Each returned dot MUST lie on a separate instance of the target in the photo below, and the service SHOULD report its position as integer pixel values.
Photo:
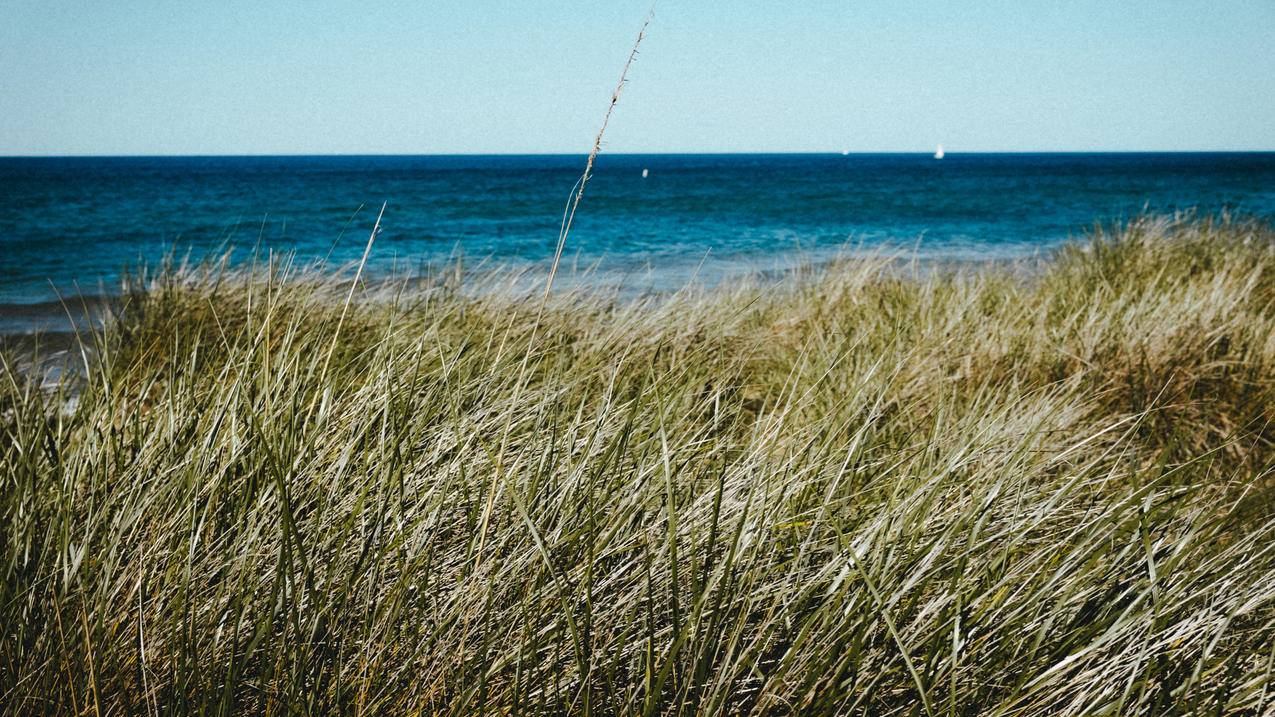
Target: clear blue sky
(264, 76)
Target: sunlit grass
(857, 491)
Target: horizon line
(948, 152)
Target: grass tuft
(854, 491)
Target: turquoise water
(70, 225)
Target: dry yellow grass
(851, 492)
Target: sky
(159, 77)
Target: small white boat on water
(938, 153)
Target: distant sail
(938, 153)
(646, 173)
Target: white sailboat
(938, 153)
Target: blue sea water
(69, 225)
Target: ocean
(69, 226)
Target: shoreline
(21, 321)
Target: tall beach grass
(854, 491)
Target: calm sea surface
(76, 222)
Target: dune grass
(856, 491)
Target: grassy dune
(859, 491)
